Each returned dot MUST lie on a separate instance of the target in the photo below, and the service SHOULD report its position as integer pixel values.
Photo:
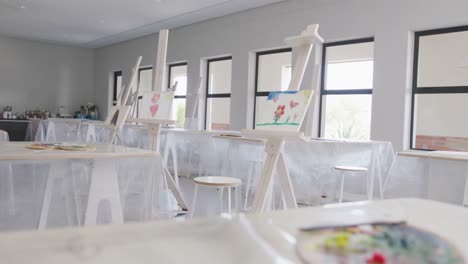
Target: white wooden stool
(220, 183)
(343, 170)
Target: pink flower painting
(279, 112)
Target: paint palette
(61, 146)
(396, 243)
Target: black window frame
(433, 89)
(218, 95)
(325, 92)
(257, 64)
(169, 73)
(138, 83)
(117, 74)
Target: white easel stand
(274, 148)
(154, 130)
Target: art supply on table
(375, 243)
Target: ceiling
(98, 23)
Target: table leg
(104, 186)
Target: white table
(266, 238)
(103, 175)
(438, 175)
(310, 165)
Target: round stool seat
(351, 168)
(217, 181)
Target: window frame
(325, 92)
(145, 68)
(169, 72)
(415, 89)
(216, 95)
(257, 64)
(116, 75)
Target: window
(178, 74)
(145, 84)
(346, 89)
(273, 73)
(440, 90)
(218, 94)
(117, 86)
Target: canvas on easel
(157, 105)
(283, 111)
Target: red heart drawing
(293, 104)
(154, 109)
(155, 98)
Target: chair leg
(341, 188)
(194, 201)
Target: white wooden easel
(154, 126)
(275, 140)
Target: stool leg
(229, 200)
(237, 191)
(195, 193)
(220, 196)
(341, 188)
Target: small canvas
(157, 105)
(283, 111)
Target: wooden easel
(154, 125)
(275, 140)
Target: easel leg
(286, 184)
(266, 183)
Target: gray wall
(41, 76)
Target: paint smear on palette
(156, 105)
(283, 111)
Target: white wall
(34, 76)
(390, 22)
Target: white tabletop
(266, 238)
(443, 155)
(18, 151)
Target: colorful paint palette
(396, 243)
(61, 146)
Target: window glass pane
(274, 72)
(179, 75)
(439, 123)
(219, 113)
(178, 111)
(117, 85)
(443, 60)
(220, 77)
(349, 66)
(347, 116)
(146, 79)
